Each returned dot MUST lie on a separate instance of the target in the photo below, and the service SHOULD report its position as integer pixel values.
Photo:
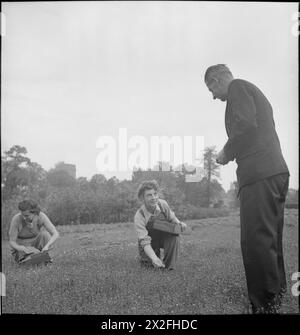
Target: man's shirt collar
(148, 214)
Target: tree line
(69, 200)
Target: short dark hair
(147, 185)
(30, 205)
(216, 70)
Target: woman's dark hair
(147, 185)
(30, 205)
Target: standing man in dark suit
(263, 179)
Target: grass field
(96, 271)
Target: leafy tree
(211, 169)
(60, 178)
(20, 176)
(97, 182)
(62, 206)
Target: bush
(190, 212)
(290, 205)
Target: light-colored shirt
(22, 232)
(141, 221)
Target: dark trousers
(262, 218)
(168, 242)
(38, 242)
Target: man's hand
(157, 262)
(45, 248)
(221, 158)
(183, 226)
(24, 249)
(32, 250)
(28, 249)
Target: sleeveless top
(29, 230)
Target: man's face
(150, 198)
(217, 88)
(27, 216)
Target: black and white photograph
(149, 160)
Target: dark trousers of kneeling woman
(162, 240)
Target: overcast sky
(75, 71)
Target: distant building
(193, 178)
(69, 168)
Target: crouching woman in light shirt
(150, 241)
(30, 230)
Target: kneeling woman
(30, 228)
(150, 240)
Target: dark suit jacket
(252, 138)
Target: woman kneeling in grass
(30, 231)
(151, 240)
